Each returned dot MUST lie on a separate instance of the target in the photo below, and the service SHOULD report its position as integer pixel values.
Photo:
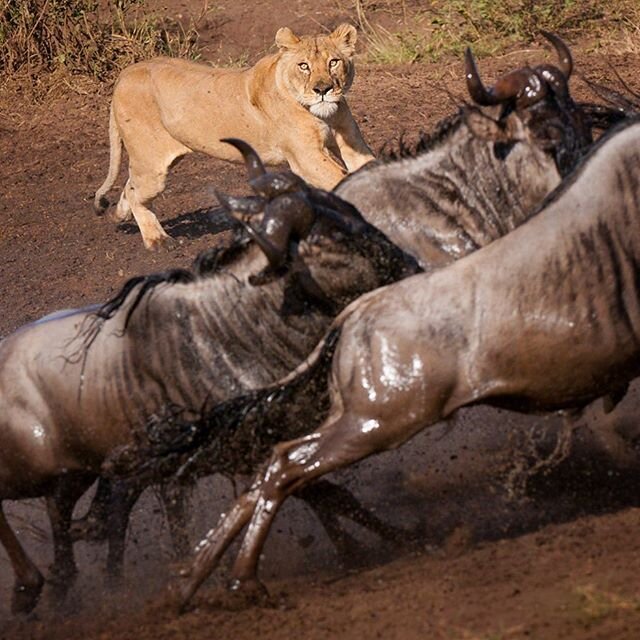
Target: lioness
(290, 106)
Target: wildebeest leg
(123, 496)
(342, 440)
(93, 525)
(326, 512)
(210, 550)
(60, 504)
(175, 498)
(28, 579)
(339, 442)
(329, 501)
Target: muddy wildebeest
(77, 384)
(477, 177)
(545, 319)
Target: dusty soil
(576, 577)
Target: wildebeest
(482, 171)
(77, 384)
(545, 319)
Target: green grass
(442, 28)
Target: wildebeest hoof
(178, 593)
(25, 597)
(251, 592)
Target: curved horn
(555, 78)
(254, 165)
(475, 87)
(272, 185)
(275, 257)
(523, 84)
(565, 62)
(250, 205)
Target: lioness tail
(100, 203)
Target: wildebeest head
(319, 242)
(531, 102)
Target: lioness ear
(345, 36)
(286, 39)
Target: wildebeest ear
(485, 127)
(345, 36)
(286, 39)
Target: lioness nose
(322, 88)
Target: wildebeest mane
(426, 141)
(207, 263)
(230, 437)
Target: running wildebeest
(77, 384)
(544, 319)
(475, 179)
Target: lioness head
(317, 70)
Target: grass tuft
(85, 37)
(596, 604)
(444, 28)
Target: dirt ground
(570, 573)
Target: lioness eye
(304, 66)
(333, 63)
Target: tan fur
(166, 107)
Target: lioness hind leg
(123, 210)
(153, 235)
(151, 153)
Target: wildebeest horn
(254, 165)
(554, 77)
(565, 62)
(250, 205)
(522, 83)
(274, 256)
(476, 89)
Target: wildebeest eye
(304, 66)
(333, 63)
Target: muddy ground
(562, 562)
